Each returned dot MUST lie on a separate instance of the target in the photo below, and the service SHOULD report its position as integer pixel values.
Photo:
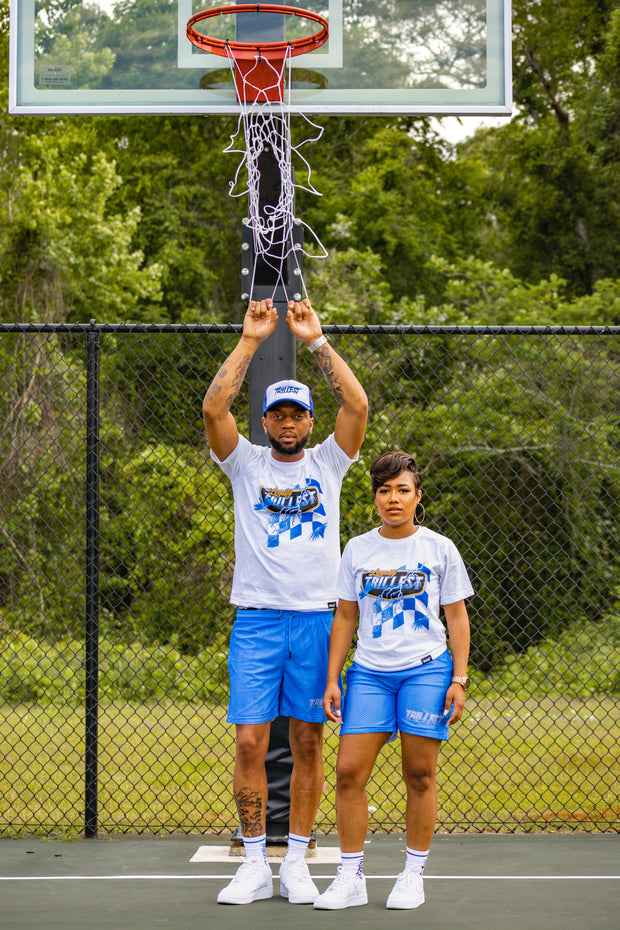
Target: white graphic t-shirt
(399, 585)
(287, 516)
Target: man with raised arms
(287, 552)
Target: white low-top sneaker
(296, 883)
(408, 891)
(347, 890)
(253, 882)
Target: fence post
(91, 719)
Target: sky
(455, 129)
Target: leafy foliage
(64, 253)
(581, 662)
(33, 670)
(553, 180)
(167, 546)
(129, 218)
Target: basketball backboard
(382, 56)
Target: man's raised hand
(303, 321)
(260, 320)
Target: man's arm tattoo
(250, 808)
(324, 361)
(216, 387)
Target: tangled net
(265, 126)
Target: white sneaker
(408, 892)
(347, 890)
(296, 883)
(253, 882)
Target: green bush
(581, 661)
(53, 673)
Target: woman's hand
(332, 701)
(455, 699)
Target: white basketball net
(267, 123)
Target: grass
(160, 767)
(530, 765)
(517, 765)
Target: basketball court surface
(540, 882)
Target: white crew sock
(416, 860)
(353, 863)
(255, 847)
(297, 847)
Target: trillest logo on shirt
(289, 509)
(393, 584)
(396, 591)
(290, 500)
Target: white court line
(176, 878)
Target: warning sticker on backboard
(54, 75)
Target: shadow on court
(533, 882)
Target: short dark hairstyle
(391, 465)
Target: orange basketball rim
(261, 59)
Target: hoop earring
(420, 504)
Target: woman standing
(403, 678)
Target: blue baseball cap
(291, 391)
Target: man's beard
(287, 450)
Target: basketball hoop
(261, 58)
(258, 74)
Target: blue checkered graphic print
(291, 509)
(395, 593)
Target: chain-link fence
(116, 555)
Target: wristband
(317, 343)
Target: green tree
(516, 437)
(552, 175)
(174, 170)
(65, 255)
(389, 187)
(142, 35)
(166, 544)
(41, 485)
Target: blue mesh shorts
(412, 700)
(277, 664)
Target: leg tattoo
(250, 808)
